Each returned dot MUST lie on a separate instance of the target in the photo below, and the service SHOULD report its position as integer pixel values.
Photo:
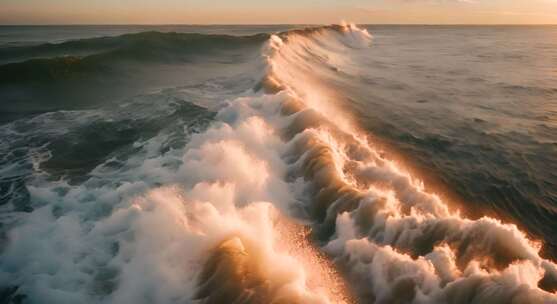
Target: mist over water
(273, 165)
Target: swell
(98, 56)
(149, 46)
(85, 73)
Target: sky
(278, 11)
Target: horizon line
(275, 24)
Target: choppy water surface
(250, 164)
(475, 105)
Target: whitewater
(264, 193)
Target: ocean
(278, 164)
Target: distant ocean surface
(278, 164)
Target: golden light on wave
(369, 205)
(319, 98)
(322, 276)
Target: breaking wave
(281, 199)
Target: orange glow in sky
(282, 12)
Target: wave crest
(396, 241)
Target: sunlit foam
(410, 216)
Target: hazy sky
(276, 11)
